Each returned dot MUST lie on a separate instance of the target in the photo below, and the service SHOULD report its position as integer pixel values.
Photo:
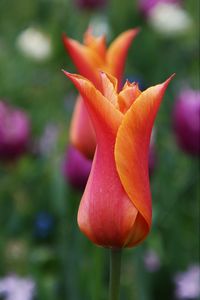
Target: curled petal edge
(131, 153)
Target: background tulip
(76, 168)
(90, 4)
(14, 131)
(186, 121)
(89, 58)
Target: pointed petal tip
(63, 36)
(69, 43)
(66, 73)
(73, 77)
(132, 32)
(78, 80)
(136, 30)
(165, 84)
(170, 78)
(65, 39)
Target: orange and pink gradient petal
(115, 210)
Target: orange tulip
(115, 210)
(89, 58)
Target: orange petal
(109, 87)
(85, 59)
(82, 134)
(131, 155)
(116, 54)
(104, 116)
(127, 96)
(97, 44)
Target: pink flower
(14, 132)
(76, 168)
(186, 121)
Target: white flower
(169, 19)
(188, 283)
(16, 288)
(34, 44)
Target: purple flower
(17, 288)
(146, 6)
(14, 132)
(151, 261)
(188, 283)
(186, 121)
(49, 139)
(90, 4)
(76, 168)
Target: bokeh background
(43, 255)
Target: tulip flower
(89, 58)
(115, 210)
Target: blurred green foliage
(66, 265)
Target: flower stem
(115, 269)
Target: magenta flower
(146, 6)
(76, 168)
(90, 4)
(186, 121)
(14, 132)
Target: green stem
(115, 269)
